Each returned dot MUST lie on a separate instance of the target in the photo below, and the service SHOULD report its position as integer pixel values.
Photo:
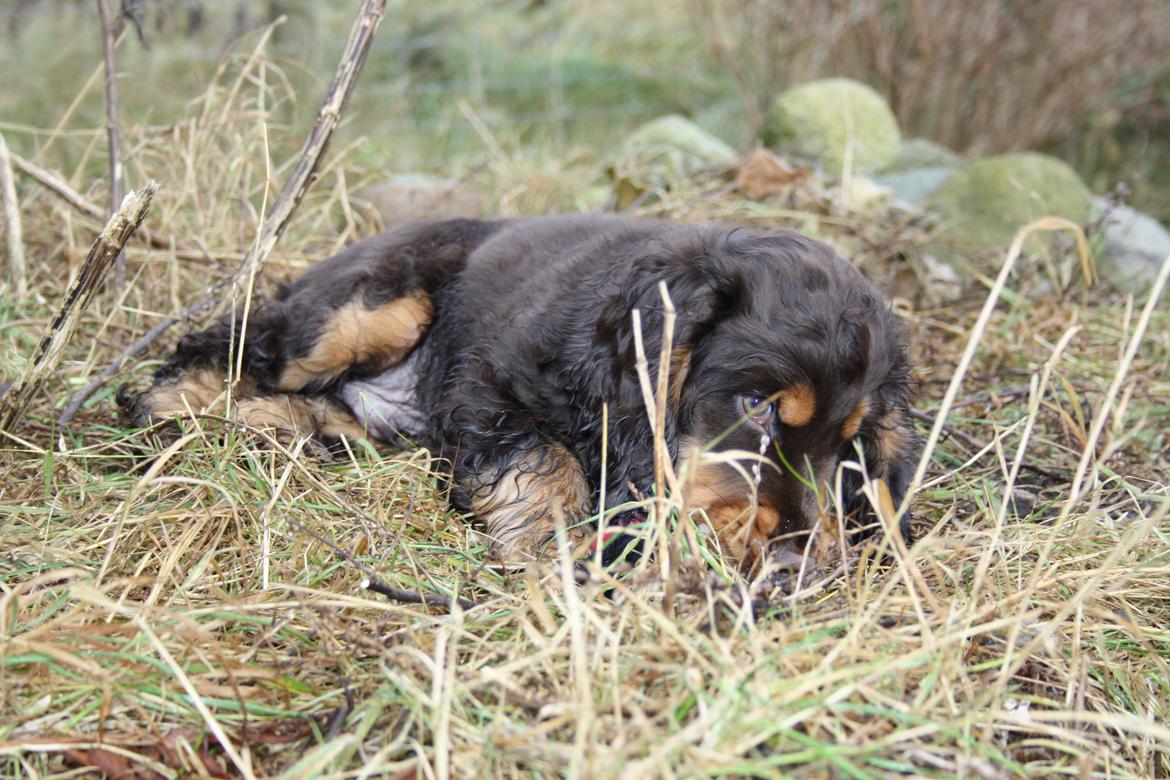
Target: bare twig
(370, 582)
(59, 187)
(111, 369)
(304, 172)
(113, 140)
(111, 106)
(12, 228)
(93, 271)
(975, 444)
(412, 597)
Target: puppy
(497, 344)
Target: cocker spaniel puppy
(497, 343)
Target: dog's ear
(890, 448)
(703, 292)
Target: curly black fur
(531, 334)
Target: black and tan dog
(496, 343)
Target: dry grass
(974, 76)
(200, 611)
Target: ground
(204, 610)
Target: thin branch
(111, 369)
(97, 265)
(370, 582)
(112, 136)
(977, 445)
(111, 106)
(59, 187)
(16, 265)
(304, 173)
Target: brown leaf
(113, 765)
(762, 174)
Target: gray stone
(922, 153)
(663, 151)
(916, 185)
(1135, 247)
(406, 197)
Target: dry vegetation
(972, 76)
(202, 611)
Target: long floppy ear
(704, 291)
(890, 446)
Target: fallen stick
(112, 136)
(59, 187)
(102, 253)
(370, 582)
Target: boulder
(826, 118)
(663, 151)
(915, 186)
(914, 153)
(984, 204)
(1134, 249)
(406, 197)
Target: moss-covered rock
(984, 204)
(663, 151)
(828, 117)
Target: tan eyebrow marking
(797, 405)
(852, 423)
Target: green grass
(151, 603)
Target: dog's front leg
(522, 500)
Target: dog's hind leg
(354, 315)
(520, 505)
(361, 336)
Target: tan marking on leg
(680, 366)
(520, 508)
(334, 423)
(355, 335)
(192, 391)
(297, 415)
(797, 405)
(282, 414)
(852, 423)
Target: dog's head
(782, 348)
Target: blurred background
(450, 84)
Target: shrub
(977, 76)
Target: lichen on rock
(984, 204)
(663, 151)
(829, 118)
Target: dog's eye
(758, 409)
